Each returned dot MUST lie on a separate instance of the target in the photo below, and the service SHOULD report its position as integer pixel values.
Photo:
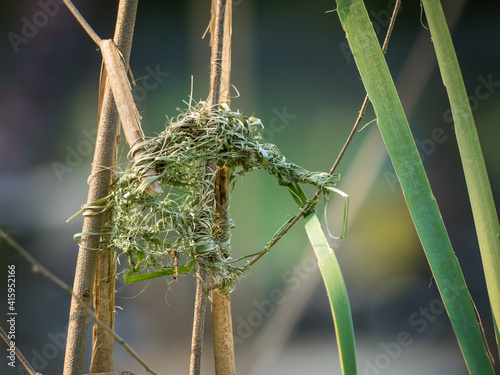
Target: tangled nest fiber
(160, 231)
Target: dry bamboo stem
(202, 277)
(104, 289)
(200, 307)
(98, 189)
(222, 327)
(217, 42)
(104, 305)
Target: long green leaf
(476, 177)
(337, 294)
(334, 283)
(411, 174)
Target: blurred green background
(292, 68)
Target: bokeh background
(292, 68)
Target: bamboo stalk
(104, 306)
(87, 255)
(99, 188)
(200, 307)
(222, 328)
(217, 42)
(104, 288)
(210, 169)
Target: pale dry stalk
(101, 176)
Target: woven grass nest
(167, 234)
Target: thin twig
(19, 355)
(83, 22)
(304, 209)
(37, 267)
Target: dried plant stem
(217, 41)
(83, 22)
(104, 289)
(304, 209)
(39, 268)
(87, 255)
(202, 276)
(102, 168)
(200, 307)
(104, 306)
(222, 326)
(19, 355)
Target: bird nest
(166, 234)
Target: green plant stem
(476, 177)
(416, 189)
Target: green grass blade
(337, 294)
(334, 283)
(411, 174)
(476, 177)
(129, 277)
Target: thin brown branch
(37, 267)
(83, 22)
(306, 207)
(18, 353)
